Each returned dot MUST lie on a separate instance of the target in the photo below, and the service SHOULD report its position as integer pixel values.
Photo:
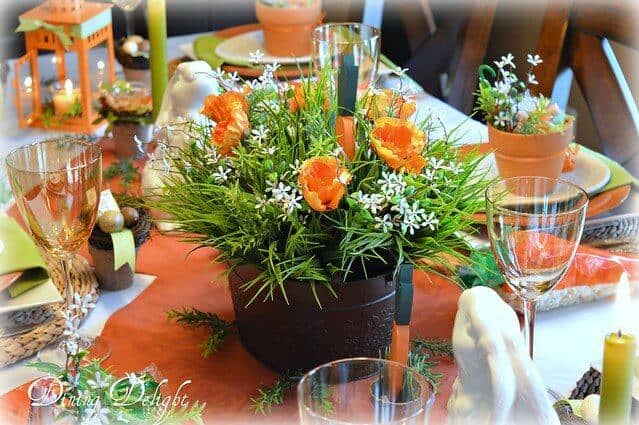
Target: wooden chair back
(575, 42)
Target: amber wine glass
(534, 226)
(56, 184)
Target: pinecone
(590, 383)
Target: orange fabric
(140, 335)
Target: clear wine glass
(359, 391)
(534, 226)
(56, 185)
(128, 6)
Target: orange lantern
(65, 27)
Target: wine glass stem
(530, 308)
(65, 263)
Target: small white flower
(270, 150)
(99, 381)
(337, 151)
(260, 133)
(234, 78)
(218, 74)
(385, 223)
(534, 60)
(391, 184)
(262, 203)
(272, 67)
(501, 119)
(70, 345)
(212, 156)
(72, 380)
(221, 175)
(430, 221)
(436, 164)
(134, 379)
(96, 414)
(372, 202)
(82, 304)
(256, 56)
(508, 60)
(532, 79)
(399, 71)
(455, 167)
(503, 87)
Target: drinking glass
(534, 226)
(338, 46)
(128, 6)
(56, 185)
(358, 391)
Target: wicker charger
(17, 347)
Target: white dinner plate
(237, 50)
(590, 173)
(43, 294)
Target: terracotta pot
(520, 155)
(287, 30)
(123, 134)
(300, 335)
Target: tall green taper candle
(616, 385)
(157, 37)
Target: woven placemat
(26, 344)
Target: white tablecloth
(568, 341)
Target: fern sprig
(194, 318)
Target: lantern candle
(65, 99)
(617, 373)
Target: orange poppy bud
(399, 144)
(388, 103)
(323, 182)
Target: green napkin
(619, 176)
(18, 253)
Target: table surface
(568, 340)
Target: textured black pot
(300, 335)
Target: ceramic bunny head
(498, 384)
(185, 93)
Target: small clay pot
(101, 250)
(123, 134)
(287, 30)
(519, 155)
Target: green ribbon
(27, 25)
(123, 249)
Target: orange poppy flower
(388, 103)
(323, 182)
(399, 144)
(300, 93)
(229, 111)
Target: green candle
(616, 386)
(157, 37)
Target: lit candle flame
(68, 87)
(28, 83)
(622, 302)
(101, 66)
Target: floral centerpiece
(529, 133)
(314, 237)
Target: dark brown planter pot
(287, 31)
(520, 155)
(299, 336)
